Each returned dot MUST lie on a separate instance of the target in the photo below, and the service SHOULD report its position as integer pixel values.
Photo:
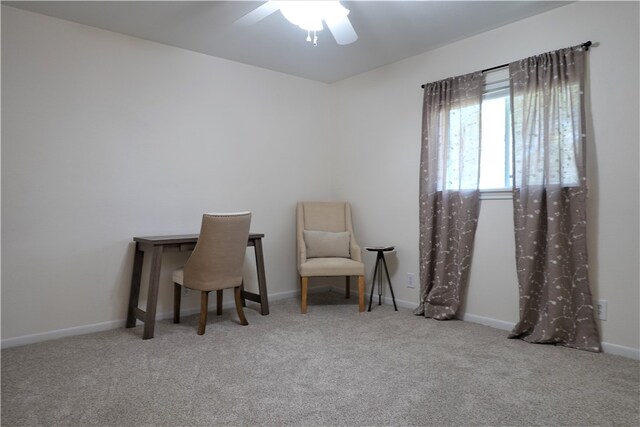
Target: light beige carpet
(330, 367)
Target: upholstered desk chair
(215, 263)
(327, 246)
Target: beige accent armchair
(215, 264)
(332, 217)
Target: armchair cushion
(323, 244)
(331, 267)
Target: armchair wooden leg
(177, 295)
(219, 302)
(238, 297)
(204, 305)
(304, 284)
(360, 294)
(348, 288)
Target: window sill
(496, 195)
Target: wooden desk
(156, 245)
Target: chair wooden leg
(204, 306)
(304, 284)
(219, 302)
(177, 295)
(348, 288)
(238, 297)
(360, 294)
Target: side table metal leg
(373, 284)
(380, 256)
(393, 298)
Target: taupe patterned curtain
(547, 106)
(449, 175)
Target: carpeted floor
(330, 367)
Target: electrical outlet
(601, 309)
(411, 280)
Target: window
(549, 139)
(494, 135)
(495, 156)
(461, 155)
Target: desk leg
(243, 300)
(152, 296)
(134, 294)
(262, 281)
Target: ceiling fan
(308, 15)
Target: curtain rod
(585, 45)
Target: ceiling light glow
(309, 15)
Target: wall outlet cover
(411, 280)
(601, 309)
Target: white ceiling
(388, 31)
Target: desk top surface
(180, 238)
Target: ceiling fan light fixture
(309, 15)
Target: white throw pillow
(324, 244)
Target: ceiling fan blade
(258, 13)
(342, 30)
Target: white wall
(376, 137)
(106, 137)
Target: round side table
(380, 261)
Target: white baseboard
(615, 349)
(620, 350)
(487, 321)
(385, 299)
(61, 333)
(115, 324)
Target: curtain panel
(549, 166)
(449, 195)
